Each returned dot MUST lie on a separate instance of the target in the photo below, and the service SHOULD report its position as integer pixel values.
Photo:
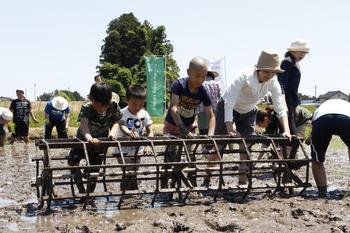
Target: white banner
(220, 67)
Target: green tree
(70, 96)
(126, 43)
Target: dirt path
(261, 213)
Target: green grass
(158, 120)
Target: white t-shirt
(137, 122)
(334, 106)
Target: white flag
(219, 66)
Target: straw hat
(299, 46)
(6, 115)
(269, 61)
(59, 103)
(212, 73)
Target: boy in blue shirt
(186, 95)
(57, 115)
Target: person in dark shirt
(99, 117)
(290, 79)
(21, 108)
(186, 95)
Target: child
(186, 95)
(238, 105)
(98, 118)
(5, 118)
(57, 115)
(268, 120)
(135, 119)
(21, 109)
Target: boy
(5, 118)
(186, 95)
(57, 115)
(330, 118)
(238, 105)
(21, 109)
(98, 118)
(134, 120)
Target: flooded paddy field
(259, 213)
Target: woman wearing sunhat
(290, 79)
(5, 118)
(238, 105)
(57, 115)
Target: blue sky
(56, 44)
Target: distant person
(5, 118)
(97, 78)
(98, 118)
(21, 109)
(290, 79)
(186, 95)
(115, 96)
(136, 122)
(57, 115)
(330, 118)
(267, 119)
(213, 89)
(236, 111)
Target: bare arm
(176, 116)
(174, 109)
(284, 122)
(149, 131)
(67, 117)
(211, 120)
(33, 117)
(113, 132)
(85, 131)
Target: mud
(260, 213)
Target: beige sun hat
(59, 103)
(269, 60)
(6, 114)
(299, 45)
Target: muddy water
(261, 213)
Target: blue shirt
(188, 102)
(55, 114)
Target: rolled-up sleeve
(277, 99)
(231, 95)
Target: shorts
(95, 157)
(21, 129)
(245, 123)
(175, 131)
(322, 131)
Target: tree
(70, 96)
(122, 54)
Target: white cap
(6, 114)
